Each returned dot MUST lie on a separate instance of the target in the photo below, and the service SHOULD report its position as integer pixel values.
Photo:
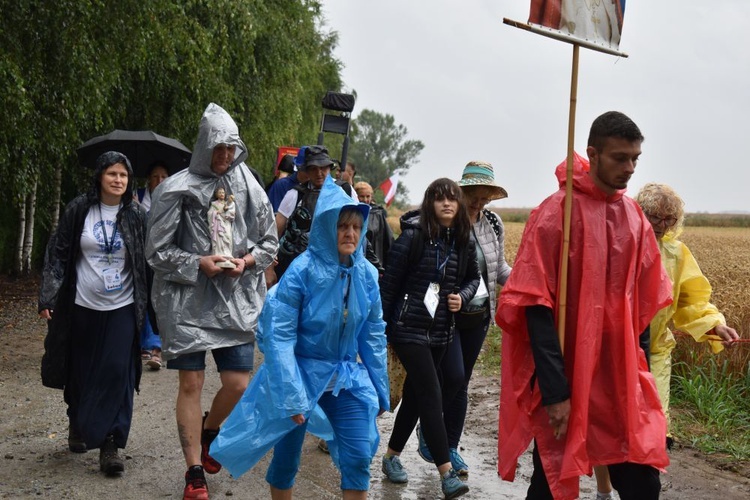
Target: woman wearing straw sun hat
(473, 320)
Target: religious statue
(220, 217)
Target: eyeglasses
(668, 221)
(482, 200)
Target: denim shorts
(237, 358)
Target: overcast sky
(472, 88)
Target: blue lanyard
(109, 245)
(438, 265)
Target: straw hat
(480, 173)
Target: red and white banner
(388, 187)
(594, 21)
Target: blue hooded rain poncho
(311, 343)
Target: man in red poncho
(597, 405)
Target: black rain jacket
(59, 279)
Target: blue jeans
(149, 340)
(351, 425)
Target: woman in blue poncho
(325, 371)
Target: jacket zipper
(404, 308)
(442, 277)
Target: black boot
(75, 442)
(109, 460)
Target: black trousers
(457, 367)
(422, 400)
(632, 481)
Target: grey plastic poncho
(194, 312)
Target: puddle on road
(479, 453)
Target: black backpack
(417, 248)
(493, 220)
(296, 236)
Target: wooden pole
(562, 301)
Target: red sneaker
(207, 437)
(195, 484)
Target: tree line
(75, 69)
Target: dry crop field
(723, 254)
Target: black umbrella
(142, 147)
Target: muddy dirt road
(35, 461)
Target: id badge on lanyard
(432, 295)
(482, 290)
(432, 298)
(112, 277)
(112, 280)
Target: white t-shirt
(289, 203)
(146, 201)
(104, 279)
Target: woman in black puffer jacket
(432, 270)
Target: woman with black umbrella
(94, 293)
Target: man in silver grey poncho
(199, 305)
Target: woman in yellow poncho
(691, 311)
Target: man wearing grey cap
(296, 210)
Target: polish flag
(388, 187)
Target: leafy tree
(74, 69)
(60, 76)
(379, 147)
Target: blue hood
(324, 231)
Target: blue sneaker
(453, 487)
(422, 449)
(393, 470)
(458, 463)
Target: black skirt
(101, 374)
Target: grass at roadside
(711, 407)
(489, 358)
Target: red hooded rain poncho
(616, 284)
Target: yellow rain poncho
(691, 312)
